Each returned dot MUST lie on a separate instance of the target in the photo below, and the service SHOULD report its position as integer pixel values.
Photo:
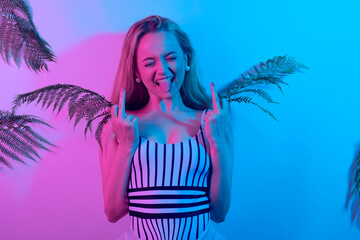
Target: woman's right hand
(124, 127)
(121, 136)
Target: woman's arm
(121, 137)
(219, 133)
(115, 168)
(222, 159)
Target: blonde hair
(192, 92)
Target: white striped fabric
(168, 188)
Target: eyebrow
(151, 58)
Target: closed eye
(171, 56)
(149, 64)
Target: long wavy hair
(192, 92)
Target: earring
(187, 68)
(138, 80)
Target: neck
(166, 105)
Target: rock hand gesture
(121, 136)
(124, 126)
(219, 133)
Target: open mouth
(163, 80)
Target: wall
(290, 177)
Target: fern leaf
(99, 129)
(90, 121)
(90, 113)
(63, 100)
(72, 103)
(3, 161)
(264, 110)
(271, 72)
(98, 105)
(8, 153)
(62, 92)
(82, 103)
(241, 99)
(353, 193)
(88, 107)
(357, 173)
(19, 37)
(263, 94)
(77, 104)
(49, 98)
(18, 139)
(57, 100)
(41, 95)
(30, 138)
(16, 144)
(249, 100)
(37, 136)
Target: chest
(168, 165)
(172, 152)
(169, 129)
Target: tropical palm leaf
(82, 104)
(17, 138)
(251, 82)
(353, 193)
(19, 37)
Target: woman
(168, 154)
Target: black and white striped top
(168, 188)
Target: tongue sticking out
(165, 86)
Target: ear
(137, 74)
(186, 59)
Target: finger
(122, 103)
(130, 117)
(114, 111)
(215, 100)
(220, 101)
(135, 120)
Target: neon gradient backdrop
(290, 177)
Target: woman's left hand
(219, 133)
(218, 130)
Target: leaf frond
(18, 139)
(19, 38)
(270, 72)
(353, 192)
(88, 126)
(99, 129)
(83, 104)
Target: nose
(163, 67)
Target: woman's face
(161, 63)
